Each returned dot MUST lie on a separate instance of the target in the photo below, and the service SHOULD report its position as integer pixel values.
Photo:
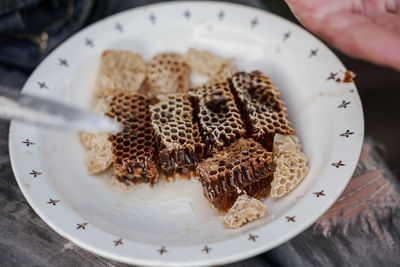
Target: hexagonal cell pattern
(291, 165)
(259, 100)
(167, 73)
(243, 166)
(177, 134)
(219, 118)
(133, 147)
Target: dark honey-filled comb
(243, 166)
(264, 112)
(178, 137)
(133, 147)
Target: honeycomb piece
(120, 182)
(98, 155)
(291, 165)
(99, 160)
(205, 62)
(227, 70)
(243, 166)
(122, 70)
(94, 141)
(245, 209)
(100, 106)
(118, 70)
(214, 67)
(177, 135)
(261, 106)
(133, 147)
(167, 73)
(219, 118)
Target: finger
(389, 21)
(358, 36)
(393, 6)
(320, 5)
(372, 7)
(353, 33)
(310, 12)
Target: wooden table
(362, 228)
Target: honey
(245, 166)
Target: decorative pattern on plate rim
(313, 53)
(319, 194)
(332, 76)
(42, 85)
(35, 173)
(118, 242)
(81, 226)
(152, 18)
(206, 249)
(286, 36)
(89, 42)
(338, 164)
(27, 142)
(290, 218)
(221, 15)
(254, 22)
(347, 134)
(344, 104)
(63, 62)
(187, 14)
(53, 202)
(252, 237)
(162, 250)
(118, 27)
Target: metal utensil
(49, 113)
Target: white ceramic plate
(172, 223)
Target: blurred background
(30, 29)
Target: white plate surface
(172, 223)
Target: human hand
(367, 29)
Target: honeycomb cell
(119, 70)
(219, 117)
(167, 73)
(259, 101)
(291, 165)
(178, 139)
(229, 172)
(133, 147)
